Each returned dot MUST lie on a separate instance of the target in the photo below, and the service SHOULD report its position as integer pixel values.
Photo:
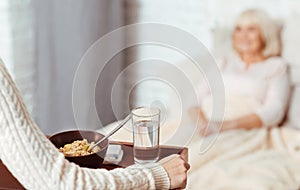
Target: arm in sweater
(37, 164)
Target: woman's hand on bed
(250, 121)
(209, 128)
(206, 131)
(197, 115)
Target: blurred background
(42, 43)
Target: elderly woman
(257, 89)
(256, 78)
(37, 164)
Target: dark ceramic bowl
(90, 161)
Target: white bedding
(257, 159)
(246, 159)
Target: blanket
(259, 159)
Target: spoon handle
(112, 132)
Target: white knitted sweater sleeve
(37, 164)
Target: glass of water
(145, 122)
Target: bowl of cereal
(75, 146)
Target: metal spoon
(91, 147)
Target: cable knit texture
(37, 164)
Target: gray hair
(270, 30)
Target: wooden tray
(8, 181)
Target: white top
(262, 88)
(37, 164)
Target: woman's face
(247, 39)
